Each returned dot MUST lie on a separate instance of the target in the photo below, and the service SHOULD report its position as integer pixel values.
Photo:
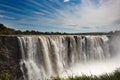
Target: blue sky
(61, 15)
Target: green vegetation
(8, 31)
(115, 76)
(6, 75)
(4, 30)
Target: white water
(46, 56)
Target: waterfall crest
(46, 56)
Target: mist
(97, 68)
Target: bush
(114, 76)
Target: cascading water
(46, 56)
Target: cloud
(1, 16)
(10, 7)
(66, 0)
(89, 14)
(6, 17)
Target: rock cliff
(10, 58)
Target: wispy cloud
(6, 17)
(89, 14)
(1, 16)
(86, 16)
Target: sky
(61, 15)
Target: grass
(115, 76)
(4, 76)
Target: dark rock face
(10, 57)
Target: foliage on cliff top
(8, 31)
(4, 30)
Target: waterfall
(46, 56)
